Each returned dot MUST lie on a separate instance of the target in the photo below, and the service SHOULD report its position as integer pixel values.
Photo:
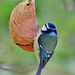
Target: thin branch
(74, 1)
(64, 2)
(20, 70)
(68, 7)
(74, 4)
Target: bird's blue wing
(43, 59)
(47, 45)
(44, 54)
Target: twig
(74, 4)
(68, 7)
(20, 70)
(65, 3)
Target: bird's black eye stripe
(46, 26)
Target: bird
(47, 41)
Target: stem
(64, 2)
(30, 1)
(39, 69)
(68, 7)
(74, 4)
(16, 69)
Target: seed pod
(23, 26)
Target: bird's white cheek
(44, 28)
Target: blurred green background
(63, 60)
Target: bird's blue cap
(51, 25)
(48, 28)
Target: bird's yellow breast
(36, 46)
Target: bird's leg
(37, 29)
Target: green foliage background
(63, 60)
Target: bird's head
(49, 29)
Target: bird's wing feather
(47, 46)
(48, 42)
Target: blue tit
(47, 42)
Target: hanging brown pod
(23, 26)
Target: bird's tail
(39, 69)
